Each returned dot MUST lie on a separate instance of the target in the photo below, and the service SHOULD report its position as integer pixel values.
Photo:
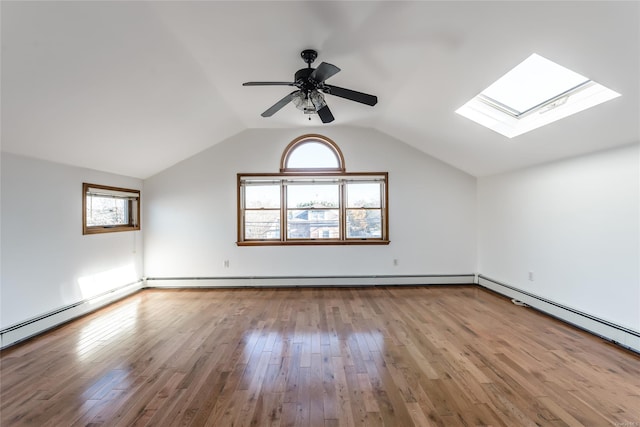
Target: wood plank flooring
(383, 356)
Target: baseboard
(617, 334)
(37, 325)
(302, 281)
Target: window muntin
(262, 211)
(312, 200)
(109, 209)
(336, 208)
(364, 209)
(312, 209)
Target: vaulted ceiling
(135, 87)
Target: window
(109, 209)
(314, 153)
(533, 94)
(312, 200)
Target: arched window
(312, 200)
(312, 152)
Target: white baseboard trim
(37, 325)
(617, 334)
(302, 281)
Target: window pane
(313, 224)
(312, 196)
(364, 223)
(262, 224)
(312, 155)
(363, 195)
(533, 82)
(262, 196)
(107, 211)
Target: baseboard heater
(620, 335)
(39, 324)
(308, 281)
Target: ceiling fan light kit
(311, 84)
(309, 102)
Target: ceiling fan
(310, 83)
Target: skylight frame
(511, 122)
(519, 114)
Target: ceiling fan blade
(323, 72)
(325, 114)
(351, 95)
(278, 105)
(268, 84)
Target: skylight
(533, 94)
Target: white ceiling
(135, 87)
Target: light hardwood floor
(393, 356)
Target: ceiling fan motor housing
(302, 78)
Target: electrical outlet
(226, 263)
(395, 262)
(531, 276)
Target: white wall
(190, 212)
(47, 263)
(576, 225)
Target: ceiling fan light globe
(299, 99)
(317, 99)
(309, 102)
